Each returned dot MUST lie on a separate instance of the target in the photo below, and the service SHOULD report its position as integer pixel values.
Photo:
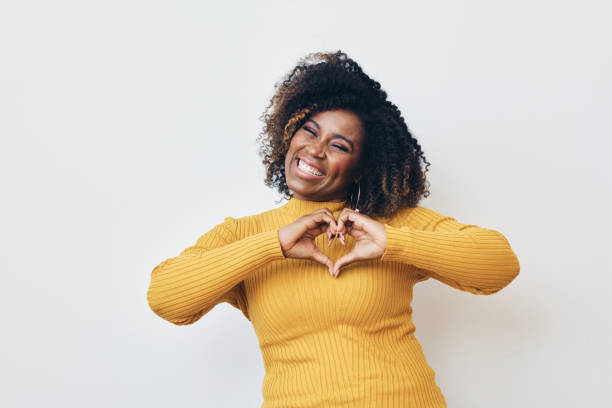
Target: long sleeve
(185, 287)
(464, 256)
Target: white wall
(128, 130)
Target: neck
(319, 199)
(331, 200)
(303, 205)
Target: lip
(311, 164)
(301, 173)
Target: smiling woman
(343, 157)
(327, 105)
(322, 163)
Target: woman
(342, 155)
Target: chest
(294, 296)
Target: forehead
(339, 121)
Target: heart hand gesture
(370, 237)
(297, 239)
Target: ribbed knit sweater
(325, 341)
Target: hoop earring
(358, 194)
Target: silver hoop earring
(358, 194)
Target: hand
(297, 239)
(370, 236)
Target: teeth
(308, 169)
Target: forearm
(192, 282)
(473, 259)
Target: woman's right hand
(297, 239)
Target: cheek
(294, 145)
(290, 151)
(343, 166)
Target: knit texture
(331, 342)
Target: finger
(327, 216)
(345, 221)
(331, 230)
(339, 222)
(323, 259)
(342, 219)
(331, 234)
(333, 226)
(345, 260)
(320, 221)
(327, 211)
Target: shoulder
(232, 228)
(222, 232)
(245, 225)
(418, 217)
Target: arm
(466, 257)
(186, 287)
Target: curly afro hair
(393, 162)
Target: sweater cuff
(399, 245)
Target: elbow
(513, 271)
(508, 269)
(511, 268)
(492, 289)
(170, 314)
(155, 303)
(505, 275)
(173, 314)
(168, 306)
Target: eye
(344, 149)
(341, 147)
(309, 130)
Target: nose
(316, 149)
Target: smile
(311, 171)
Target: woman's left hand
(370, 237)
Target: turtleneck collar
(303, 207)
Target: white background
(128, 130)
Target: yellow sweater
(332, 342)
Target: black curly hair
(392, 157)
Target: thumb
(323, 259)
(345, 260)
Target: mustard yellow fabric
(333, 342)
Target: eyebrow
(334, 135)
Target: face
(322, 162)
